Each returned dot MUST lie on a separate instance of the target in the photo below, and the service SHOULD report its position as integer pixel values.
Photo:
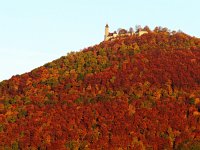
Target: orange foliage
(130, 93)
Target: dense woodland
(128, 93)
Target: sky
(34, 32)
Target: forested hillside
(128, 93)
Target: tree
(131, 30)
(146, 28)
(138, 28)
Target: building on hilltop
(121, 32)
(140, 32)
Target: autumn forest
(133, 92)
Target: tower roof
(107, 26)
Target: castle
(121, 32)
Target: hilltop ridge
(135, 92)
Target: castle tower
(106, 32)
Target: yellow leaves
(9, 113)
(97, 87)
(130, 76)
(176, 133)
(146, 104)
(136, 143)
(147, 84)
(193, 99)
(119, 93)
(157, 94)
(132, 133)
(136, 48)
(112, 80)
(83, 90)
(169, 87)
(100, 92)
(73, 91)
(48, 139)
(66, 74)
(196, 113)
(192, 95)
(73, 71)
(76, 145)
(89, 88)
(73, 74)
(78, 107)
(145, 60)
(196, 101)
(131, 110)
(171, 136)
(1, 107)
(115, 67)
(28, 81)
(49, 122)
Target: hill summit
(134, 92)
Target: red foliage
(133, 92)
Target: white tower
(106, 32)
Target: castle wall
(142, 32)
(109, 36)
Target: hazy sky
(34, 32)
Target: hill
(128, 93)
